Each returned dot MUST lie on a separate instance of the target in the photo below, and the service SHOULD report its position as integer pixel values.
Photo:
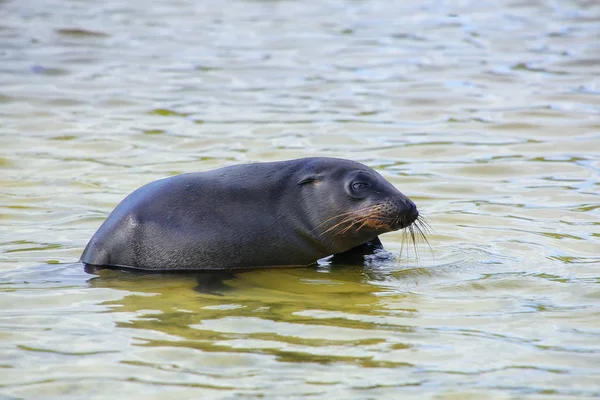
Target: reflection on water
(487, 115)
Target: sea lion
(285, 213)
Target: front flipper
(356, 255)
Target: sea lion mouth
(402, 215)
(404, 220)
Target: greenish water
(486, 114)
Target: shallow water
(486, 114)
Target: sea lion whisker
(420, 223)
(350, 218)
(341, 229)
(422, 234)
(351, 223)
(407, 244)
(359, 211)
(427, 228)
(403, 240)
(426, 224)
(362, 219)
(354, 219)
(344, 217)
(422, 228)
(424, 237)
(412, 234)
(340, 215)
(406, 232)
(332, 228)
(365, 221)
(401, 248)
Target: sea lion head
(351, 203)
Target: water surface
(486, 114)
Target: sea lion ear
(310, 178)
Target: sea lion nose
(411, 213)
(414, 213)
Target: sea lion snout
(407, 213)
(396, 212)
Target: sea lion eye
(358, 186)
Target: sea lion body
(246, 216)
